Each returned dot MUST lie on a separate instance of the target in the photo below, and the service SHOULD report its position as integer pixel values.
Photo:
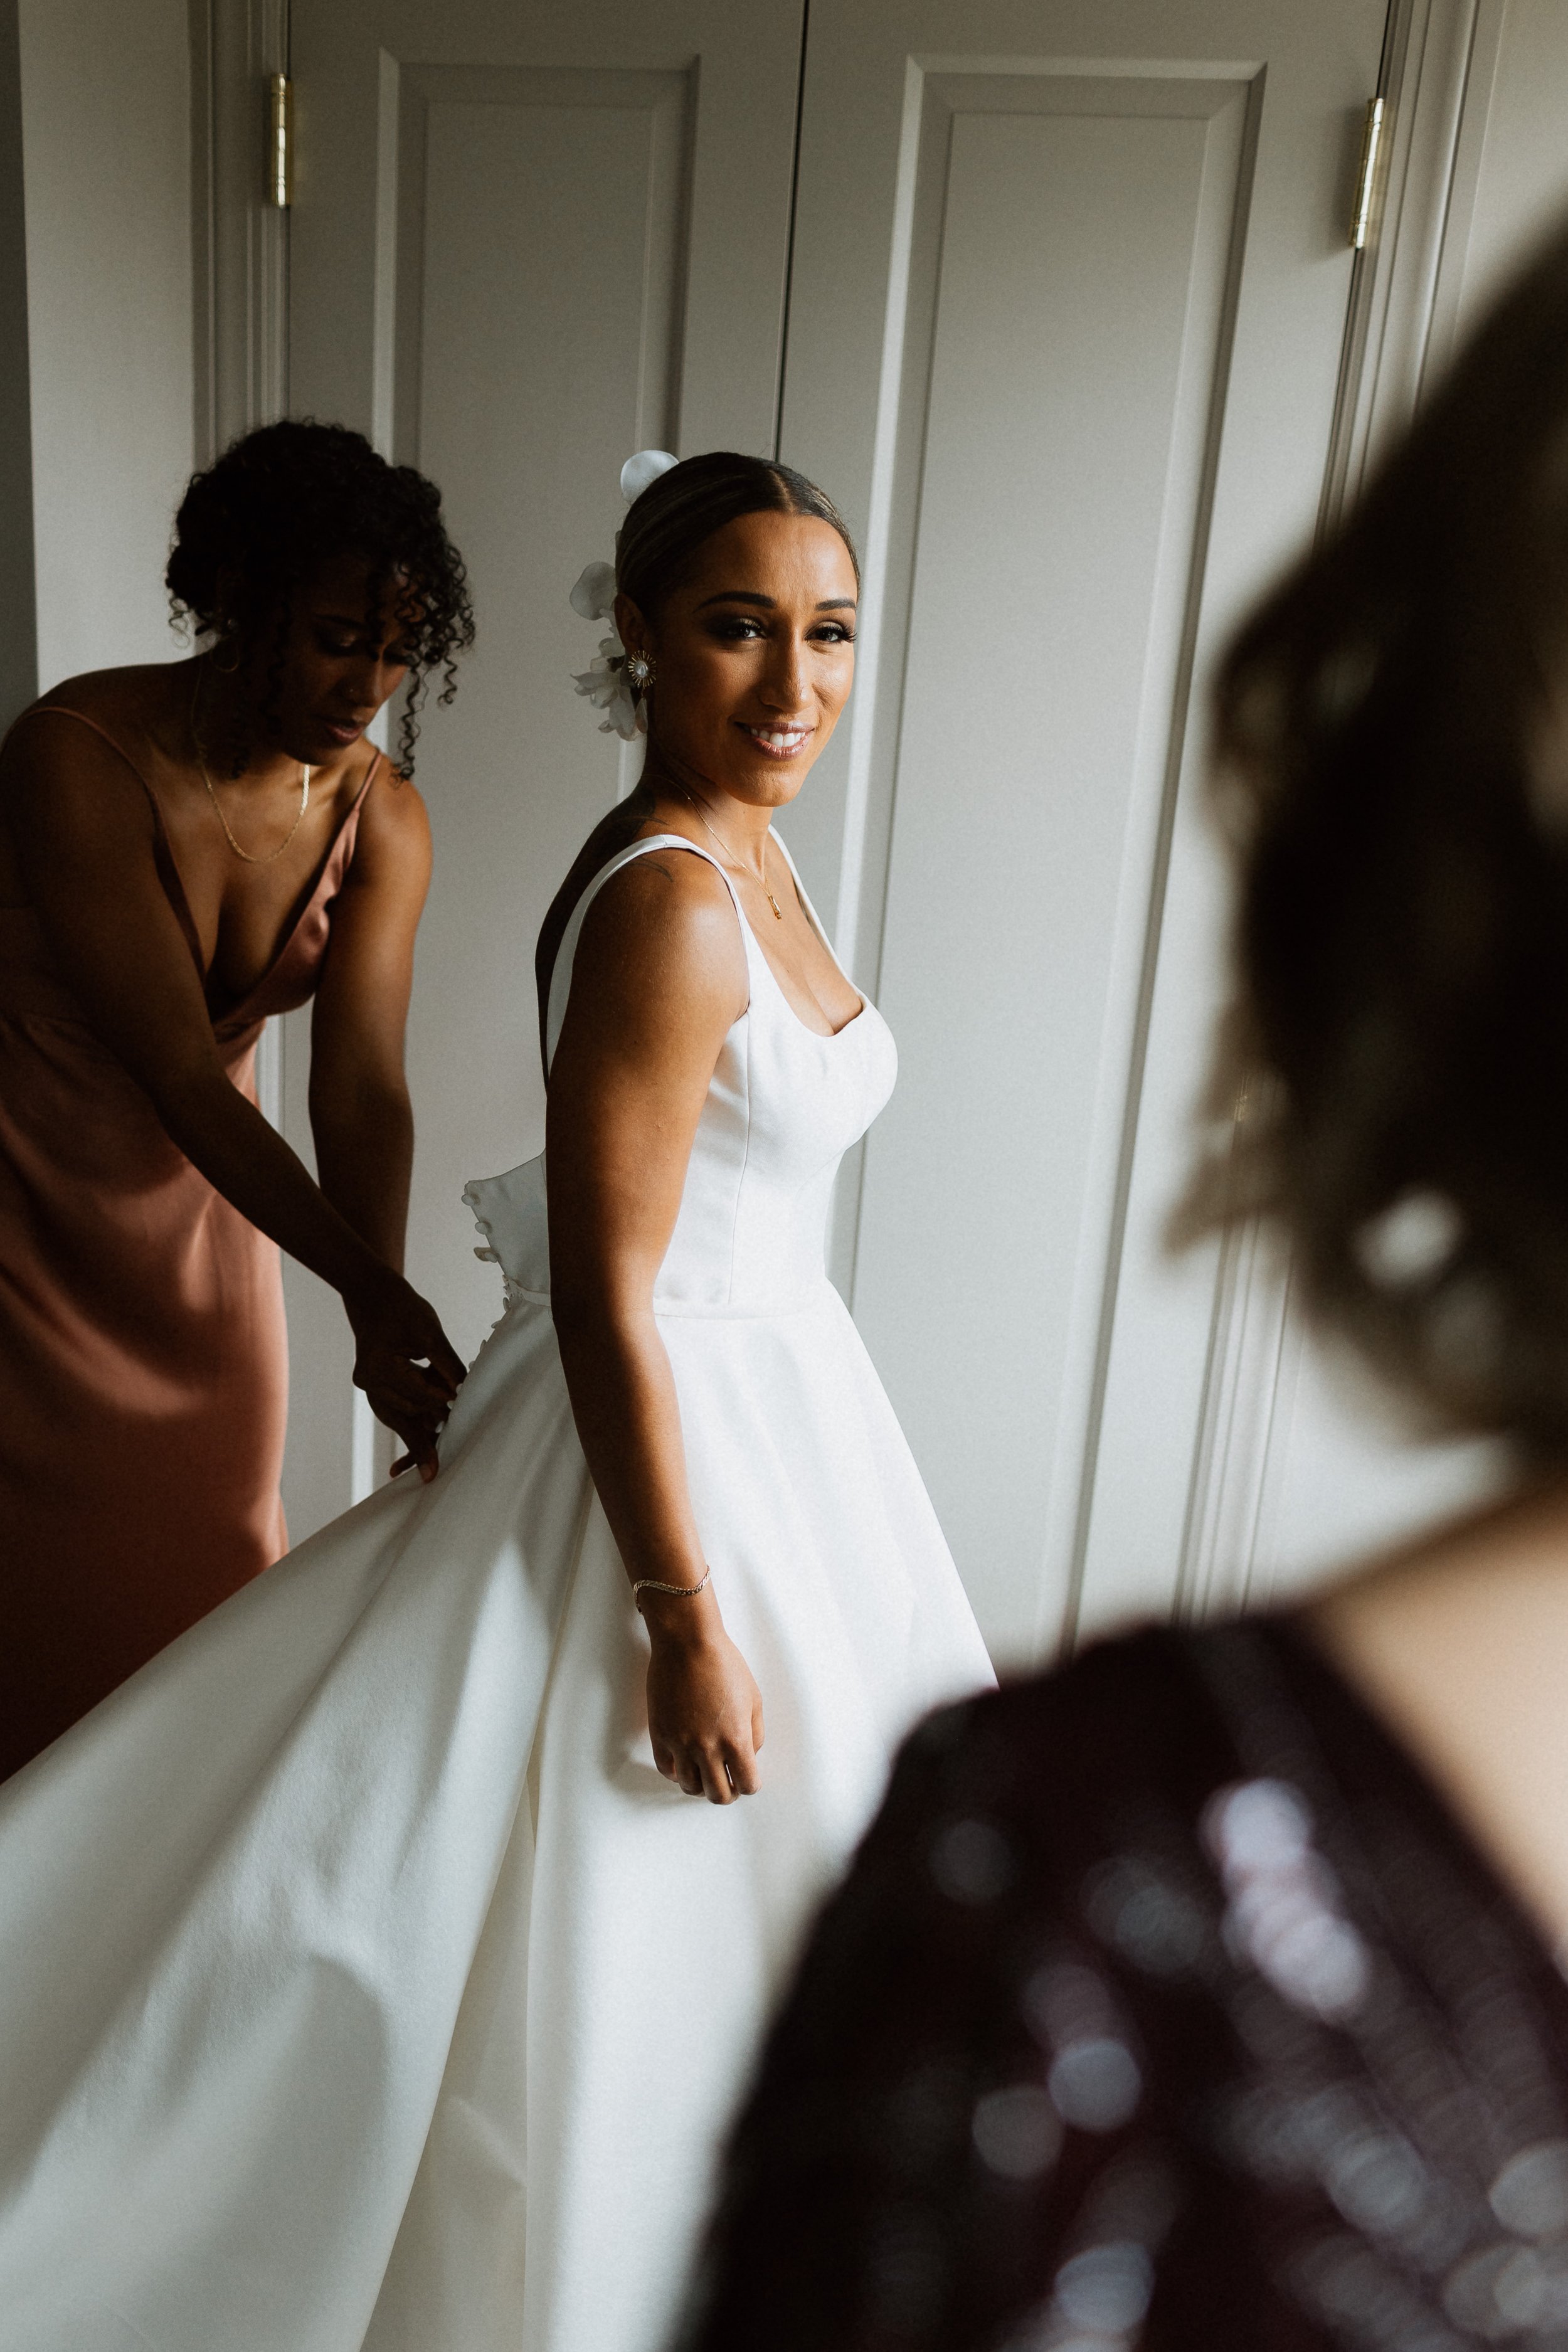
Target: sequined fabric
(1165, 2006)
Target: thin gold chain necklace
(249, 856)
(761, 877)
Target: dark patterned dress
(1165, 2006)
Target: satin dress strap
(288, 980)
(565, 954)
(163, 853)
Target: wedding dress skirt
(362, 1982)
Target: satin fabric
(367, 1990)
(143, 1358)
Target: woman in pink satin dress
(185, 849)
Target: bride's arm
(658, 979)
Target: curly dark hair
(283, 501)
(1393, 770)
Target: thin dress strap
(63, 711)
(561, 977)
(163, 851)
(339, 853)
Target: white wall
(106, 142)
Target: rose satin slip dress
(144, 1359)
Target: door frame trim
(240, 243)
(239, 270)
(1439, 65)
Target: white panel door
(1068, 303)
(527, 239)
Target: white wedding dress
(362, 1983)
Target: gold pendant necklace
(271, 856)
(761, 877)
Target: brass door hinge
(280, 141)
(1366, 175)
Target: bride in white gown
(370, 1978)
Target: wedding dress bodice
(784, 1106)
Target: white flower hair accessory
(606, 682)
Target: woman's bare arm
(361, 1116)
(84, 840)
(659, 977)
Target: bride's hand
(408, 1367)
(704, 1710)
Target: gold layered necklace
(760, 876)
(269, 856)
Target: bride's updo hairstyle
(1393, 773)
(680, 511)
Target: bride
(371, 1979)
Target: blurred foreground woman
(1205, 1994)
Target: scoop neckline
(823, 1036)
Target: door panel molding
(1170, 752)
(740, 174)
(1056, 1406)
(1078, 1339)
(411, 96)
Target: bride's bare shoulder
(671, 894)
(665, 925)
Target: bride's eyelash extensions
(733, 627)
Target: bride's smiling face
(753, 656)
